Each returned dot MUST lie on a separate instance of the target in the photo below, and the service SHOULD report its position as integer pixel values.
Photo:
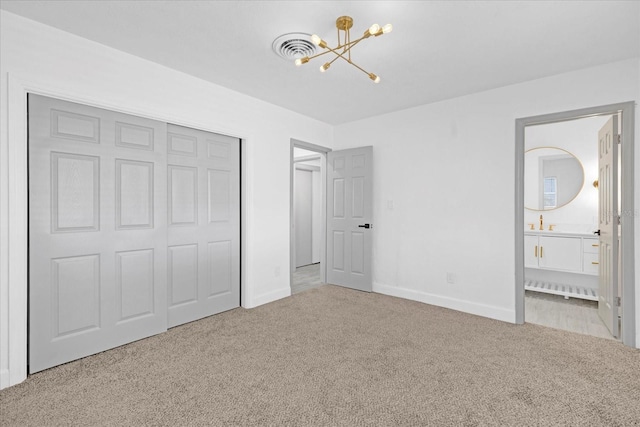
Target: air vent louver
(292, 46)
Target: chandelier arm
(338, 54)
(335, 59)
(351, 44)
(319, 54)
(348, 37)
(359, 67)
(335, 51)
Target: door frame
(323, 197)
(627, 260)
(13, 360)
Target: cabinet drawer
(588, 264)
(591, 246)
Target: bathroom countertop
(560, 233)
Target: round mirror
(553, 177)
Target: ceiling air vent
(292, 46)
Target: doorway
(307, 216)
(561, 199)
(623, 292)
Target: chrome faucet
(541, 226)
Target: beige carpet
(332, 356)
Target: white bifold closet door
(103, 199)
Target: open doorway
(308, 219)
(561, 199)
(558, 257)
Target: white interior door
(203, 260)
(97, 230)
(608, 223)
(349, 215)
(303, 217)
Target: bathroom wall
(580, 138)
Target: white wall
(448, 168)
(63, 65)
(580, 138)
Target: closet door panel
(97, 230)
(204, 194)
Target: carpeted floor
(333, 356)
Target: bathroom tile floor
(306, 277)
(574, 315)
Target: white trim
(270, 297)
(15, 368)
(310, 168)
(307, 158)
(492, 312)
(4, 378)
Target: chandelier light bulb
(374, 29)
(315, 39)
(387, 28)
(325, 67)
(376, 79)
(302, 60)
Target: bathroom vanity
(562, 263)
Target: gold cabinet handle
(535, 252)
(540, 251)
(595, 262)
(595, 245)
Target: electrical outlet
(276, 271)
(451, 278)
(390, 205)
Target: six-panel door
(349, 213)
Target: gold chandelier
(343, 50)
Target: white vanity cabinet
(562, 264)
(561, 252)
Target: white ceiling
(437, 50)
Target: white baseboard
(269, 297)
(4, 379)
(492, 312)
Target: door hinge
(619, 139)
(618, 302)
